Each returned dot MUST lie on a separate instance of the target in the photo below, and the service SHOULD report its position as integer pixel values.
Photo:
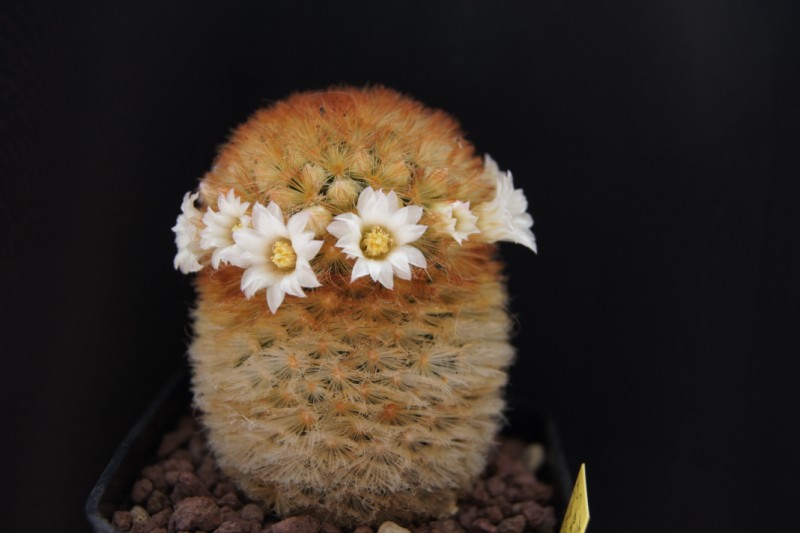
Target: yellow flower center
(283, 255)
(237, 226)
(376, 242)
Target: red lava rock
(539, 491)
(171, 478)
(467, 516)
(229, 514)
(122, 520)
(255, 513)
(207, 472)
(187, 485)
(224, 487)
(529, 488)
(231, 527)
(482, 525)
(298, 524)
(326, 527)
(197, 448)
(494, 514)
(158, 521)
(178, 465)
(480, 494)
(446, 526)
(181, 455)
(195, 512)
(155, 473)
(524, 479)
(513, 495)
(504, 466)
(229, 499)
(548, 521)
(156, 502)
(527, 508)
(495, 486)
(206, 501)
(141, 490)
(536, 515)
(515, 524)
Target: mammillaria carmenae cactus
(368, 385)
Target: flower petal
(414, 256)
(345, 224)
(291, 285)
(393, 203)
(305, 275)
(235, 256)
(256, 278)
(309, 251)
(505, 217)
(413, 213)
(269, 221)
(297, 223)
(366, 201)
(386, 275)
(187, 236)
(409, 233)
(275, 297)
(374, 268)
(372, 211)
(399, 261)
(360, 269)
(216, 257)
(253, 242)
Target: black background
(656, 141)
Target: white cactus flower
(220, 225)
(378, 237)
(276, 254)
(187, 239)
(505, 217)
(458, 221)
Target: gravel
(184, 491)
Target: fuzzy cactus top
(351, 333)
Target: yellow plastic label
(577, 516)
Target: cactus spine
(356, 403)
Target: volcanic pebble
(515, 524)
(184, 491)
(297, 524)
(141, 490)
(122, 520)
(158, 501)
(195, 512)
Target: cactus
(374, 394)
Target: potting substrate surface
(185, 491)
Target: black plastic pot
(140, 445)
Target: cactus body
(356, 403)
